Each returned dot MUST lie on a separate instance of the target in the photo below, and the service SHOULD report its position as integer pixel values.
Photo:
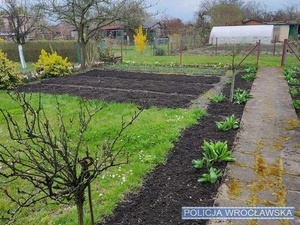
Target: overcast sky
(185, 9)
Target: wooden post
(258, 53)
(216, 51)
(274, 48)
(283, 52)
(121, 50)
(180, 52)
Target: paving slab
(267, 167)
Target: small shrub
(9, 76)
(160, 52)
(52, 65)
(140, 39)
(217, 98)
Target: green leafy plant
(293, 81)
(198, 163)
(217, 98)
(294, 91)
(249, 76)
(289, 73)
(251, 69)
(211, 177)
(296, 104)
(241, 96)
(216, 151)
(229, 123)
(9, 76)
(160, 52)
(52, 65)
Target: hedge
(32, 50)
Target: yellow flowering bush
(52, 65)
(9, 76)
(140, 39)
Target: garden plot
(173, 184)
(144, 89)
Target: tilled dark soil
(171, 185)
(144, 89)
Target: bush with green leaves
(241, 96)
(52, 65)
(160, 52)
(217, 98)
(229, 123)
(9, 76)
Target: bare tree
(135, 14)
(225, 14)
(53, 160)
(22, 18)
(88, 16)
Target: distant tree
(288, 13)
(48, 155)
(134, 13)
(225, 14)
(206, 5)
(171, 25)
(253, 10)
(23, 18)
(88, 16)
(203, 18)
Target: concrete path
(267, 149)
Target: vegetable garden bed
(173, 184)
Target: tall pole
(283, 52)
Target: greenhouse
(242, 34)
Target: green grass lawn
(131, 56)
(152, 135)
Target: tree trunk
(21, 54)
(82, 56)
(79, 201)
